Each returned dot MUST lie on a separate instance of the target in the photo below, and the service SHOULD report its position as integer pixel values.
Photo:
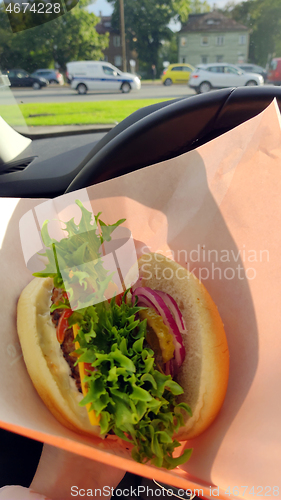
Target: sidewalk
(151, 82)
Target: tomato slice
(89, 367)
(63, 324)
(118, 299)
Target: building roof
(211, 22)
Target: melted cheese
(91, 414)
(164, 337)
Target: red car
(274, 72)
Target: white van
(99, 75)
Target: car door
(215, 76)
(178, 74)
(186, 72)
(233, 77)
(44, 74)
(110, 78)
(24, 79)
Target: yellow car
(177, 73)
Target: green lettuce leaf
(133, 399)
(75, 262)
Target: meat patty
(67, 346)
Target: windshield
(66, 60)
(273, 64)
(9, 108)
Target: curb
(64, 130)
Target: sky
(106, 8)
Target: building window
(204, 59)
(220, 40)
(213, 21)
(118, 60)
(183, 41)
(205, 40)
(117, 41)
(242, 39)
(219, 58)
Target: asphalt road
(66, 94)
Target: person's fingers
(61, 474)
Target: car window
(215, 69)
(22, 74)
(177, 68)
(273, 64)
(109, 71)
(185, 68)
(231, 70)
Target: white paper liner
(217, 210)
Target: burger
(148, 365)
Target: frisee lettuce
(132, 398)
(75, 262)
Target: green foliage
(184, 8)
(146, 25)
(199, 7)
(69, 37)
(263, 17)
(169, 50)
(132, 399)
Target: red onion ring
(159, 301)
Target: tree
(147, 30)
(263, 17)
(199, 7)
(70, 37)
(146, 24)
(169, 50)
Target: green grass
(75, 113)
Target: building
(113, 53)
(213, 37)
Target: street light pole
(123, 40)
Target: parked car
(52, 75)
(176, 73)
(99, 75)
(274, 72)
(221, 75)
(20, 78)
(254, 68)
